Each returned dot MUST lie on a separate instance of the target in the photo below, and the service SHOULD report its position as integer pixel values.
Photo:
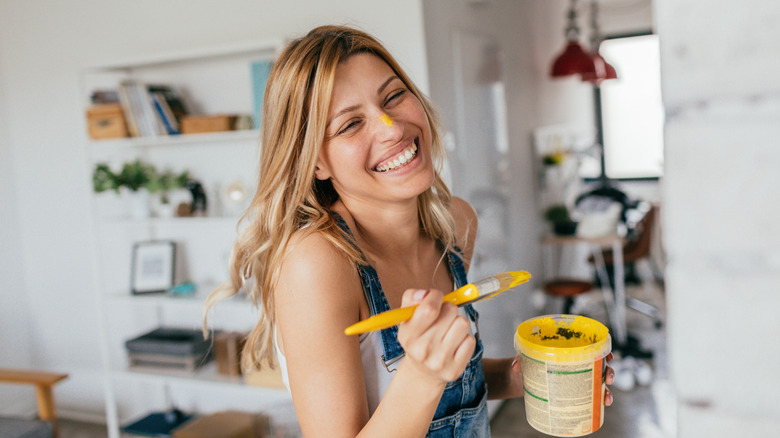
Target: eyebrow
(386, 83)
(354, 107)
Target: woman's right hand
(437, 339)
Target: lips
(399, 160)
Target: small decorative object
(234, 198)
(184, 209)
(198, 198)
(152, 266)
(184, 289)
(243, 122)
(227, 352)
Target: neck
(387, 231)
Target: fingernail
(419, 294)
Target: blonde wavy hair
(288, 196)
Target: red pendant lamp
(604, 71)
(573, 59)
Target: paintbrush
(483, 289)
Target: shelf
(159, 299)
(179, 221)
(176, 140)
(205, 375)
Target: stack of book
(170, 348)
(151, 110)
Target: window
(631, 108)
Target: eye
(395, 97)
(351, 125)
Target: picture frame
(152, 269)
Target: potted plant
(558, 215)
(140, 179)
(164, 183)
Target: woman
(351, 218)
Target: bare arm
(319, 294)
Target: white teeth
(402, 159)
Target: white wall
(44, 178)
(508, 24)
(722, 98)
(15, 337)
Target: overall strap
(458, 271)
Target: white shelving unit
(211, 81)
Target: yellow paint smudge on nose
(386, 120)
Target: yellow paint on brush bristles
(386, 120)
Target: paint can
(564, 367)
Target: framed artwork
(152, 266)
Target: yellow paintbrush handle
(397, 316)
(381, 321)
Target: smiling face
(378, 140)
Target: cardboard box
(201, 124)
(106, 121)
(227, 352)
(266, 377)
(225, 424)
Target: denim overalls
(462, 410)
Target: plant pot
(565, 228)
(140, 204)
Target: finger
(610, 356)
(456, 331)
(443, 351)
(462, 356)
(608, 399)
(517, 366)
(413, 296)
(610, 377)
(428, 302)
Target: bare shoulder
(313, 267)
(466, 226)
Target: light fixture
(604, 71)
(574, 59)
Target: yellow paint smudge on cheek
(386, 120)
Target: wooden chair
(44, 382)
(637, 249)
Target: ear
(321, 171)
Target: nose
(388, 129)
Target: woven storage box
(106, 121)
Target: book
(127, 109)
(165, 114)
(172, 99)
